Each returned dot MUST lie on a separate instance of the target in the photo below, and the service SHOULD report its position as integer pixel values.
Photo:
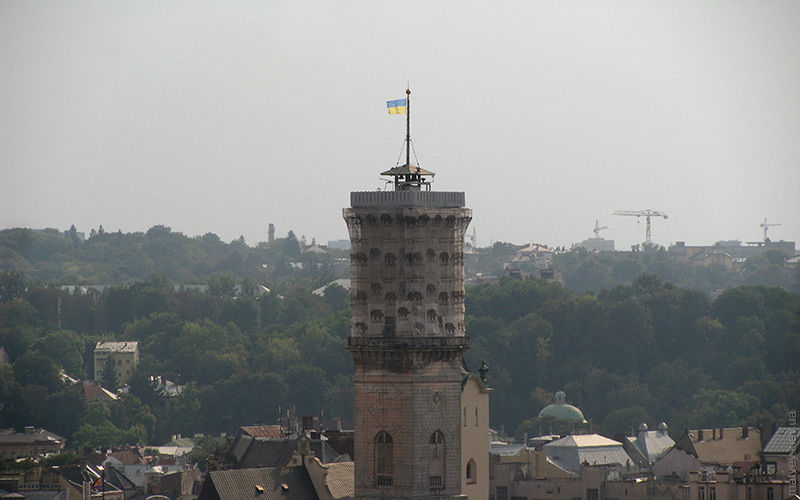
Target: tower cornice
(404, 353)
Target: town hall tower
(407, 335)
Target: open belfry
(407, 333)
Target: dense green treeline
(108, 258)
(648, 351)
(112, 258)
(645, 352)
(239, 353)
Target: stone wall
(407, 336)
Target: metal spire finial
(408, 126)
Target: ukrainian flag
(397, 107)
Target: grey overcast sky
(224, 116)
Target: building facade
(475, 437)
(407, 337)
(30, 443)
(124, 355)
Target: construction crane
(597, 229)
(647, 213)
(766, 226)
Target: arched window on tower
(472, 473)
(437, 456)
(384, 459)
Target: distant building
(710, 450)
(342, 282)
(331, 481)
(273, 446)
(339, 244)
(78, 481)
(560, 410)
(737, 250)
(583, 466)
(30, 443)
(782, 447)
(93, 391)
(124, 355)
(703, 256)
(647, 446)
(541, 255)
(265, 483)
(596, 245)
(315, 249)
(552, 275)
(570, 452)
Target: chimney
(29, 429)
(720, 432)
(713, 433)
(745, 432)
(699, 435)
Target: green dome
(562, 411)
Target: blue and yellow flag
(397, 107)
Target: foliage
(648, 351)
(108, 376)
(109, 258)
(233, 370)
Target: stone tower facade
(407, 337)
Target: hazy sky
(225, 116)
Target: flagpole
(408, 126)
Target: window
(591, 494)
(119, 362)
(712, 493)
(701, 493)
(472, 473)
(465, 416)
(502, 493)
(389, 325)
(476, 416)
(770, 494)
(384, 459)
(436, 463)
